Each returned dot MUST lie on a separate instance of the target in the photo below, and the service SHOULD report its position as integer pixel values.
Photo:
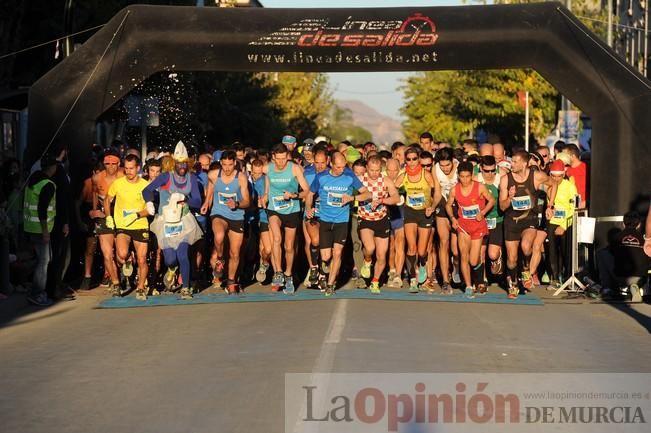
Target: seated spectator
(631, 264)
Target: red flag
(522, 99)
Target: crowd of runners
(420, 217)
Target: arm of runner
(210, 188)
(506, 193)
(392, 191)
(449, 210)
(490, 202)
(436, 187)
(309, 201)
(545, 183)
(244, 190)
(363, 194)
(265, 197)
(647, 233)
(95, 212)
(302, 182)
(107, 210)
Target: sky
(376, 89)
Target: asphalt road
(220, 367)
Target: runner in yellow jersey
(130, 222)
(422, 194)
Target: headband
(111, 158)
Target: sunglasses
(544, 155)
(426, 165)
(489, 171)
(110, 163)
(412, 159)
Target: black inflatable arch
(142, 40)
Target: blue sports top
(222, 193)
(330, 190)
(279, 182)
(259, 192)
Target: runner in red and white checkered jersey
(374, 225)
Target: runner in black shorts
(336, 189)
(374, 225)
(517, 200)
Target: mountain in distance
(385, 129)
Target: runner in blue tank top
(227, 196)
(336, 188)
(264, 236)
(283, 209)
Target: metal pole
(67, 28)
(610, 23)
(646, 38)
(526, 120)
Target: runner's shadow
(641, 318)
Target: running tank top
(224, 192)
(418, 194)
(524, 200)
(279, 182)
(495, 215)
(446, 182)
(378, 191)
(469, 205)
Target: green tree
(304, 101)
(452, 104)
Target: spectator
(578, 170)
(39, 219)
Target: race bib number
(560, 214)
(335, 199)
(521, 203)
(416, 201)
(172, 230)
(491, 223)
(223, 197)
(280, 203)
(470, 212)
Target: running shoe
(326, 269)
(127, 268)
(116, 290)
(470, 292)
(535, 280)
(219, 269)
(41, 300)
(277, 281)
(141, 295)
(186, 293)
(396, 282)
(446, 289)
(261, 275)
(323, 284)
(422, 274)
(359, 283)
(155, 292)
(413, 285)
(375, 287)
(289, 286)
(313, 275)
(85, 284)
(527, 282)
(513, 289)
(545, 278)
(482, 288)
(106, 282)
(170, 278)
(330, 290)
(456, 278)
(428, 286)
(365, 271)
(554, 285)
(390, 278)
(496, 266)
(232, 289)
